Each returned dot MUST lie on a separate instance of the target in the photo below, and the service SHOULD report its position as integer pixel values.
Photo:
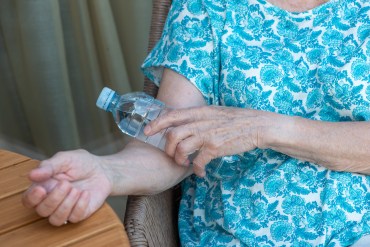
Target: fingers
(80, 211)
(172, 118)
(183, 143)
(53, 199)
(202, 128)
(33, 196)
(40, 174)
(37, 192)
(61, 204)
(199, 170)
(158, 124)
(62, 213)
(200, 162)
(178, 136)
(178, 117)
(186, 150)
(50, 167)
(186, 153)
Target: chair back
(152, 220)
(159, 16)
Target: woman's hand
(211, 131)
(70, 186)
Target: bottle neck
(113, 102)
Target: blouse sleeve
(187, 47)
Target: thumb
(41, 174)
(49, 168)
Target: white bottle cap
(105, 97)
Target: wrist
(127, 170)
(117, 171)
(275, 130)
(106, 169)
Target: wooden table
(20, 226)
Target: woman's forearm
(140, 169)
(341, 146)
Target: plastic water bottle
(132, 112)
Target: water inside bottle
(133, 114)
(135, 110)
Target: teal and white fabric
(252, 54)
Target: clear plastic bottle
(132, 112)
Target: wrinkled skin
(211, 131)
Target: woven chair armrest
(152, 220)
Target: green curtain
(55, 57)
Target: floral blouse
(252, 54)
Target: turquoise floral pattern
(252, 54)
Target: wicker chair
(152, 220)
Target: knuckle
(45, 208)
(153, 123)
(42, 211)
(168, 150)
(62, 157)
(181, 149)
(206, 108)
(175, 114)
(212, 153)
(67, 186)
(213, 148)
(181, 157)
(172, 135)
(62, 210)
(202, 111)
(195, 129)
(51, 203)
(198, 113)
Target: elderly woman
(281, 91)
